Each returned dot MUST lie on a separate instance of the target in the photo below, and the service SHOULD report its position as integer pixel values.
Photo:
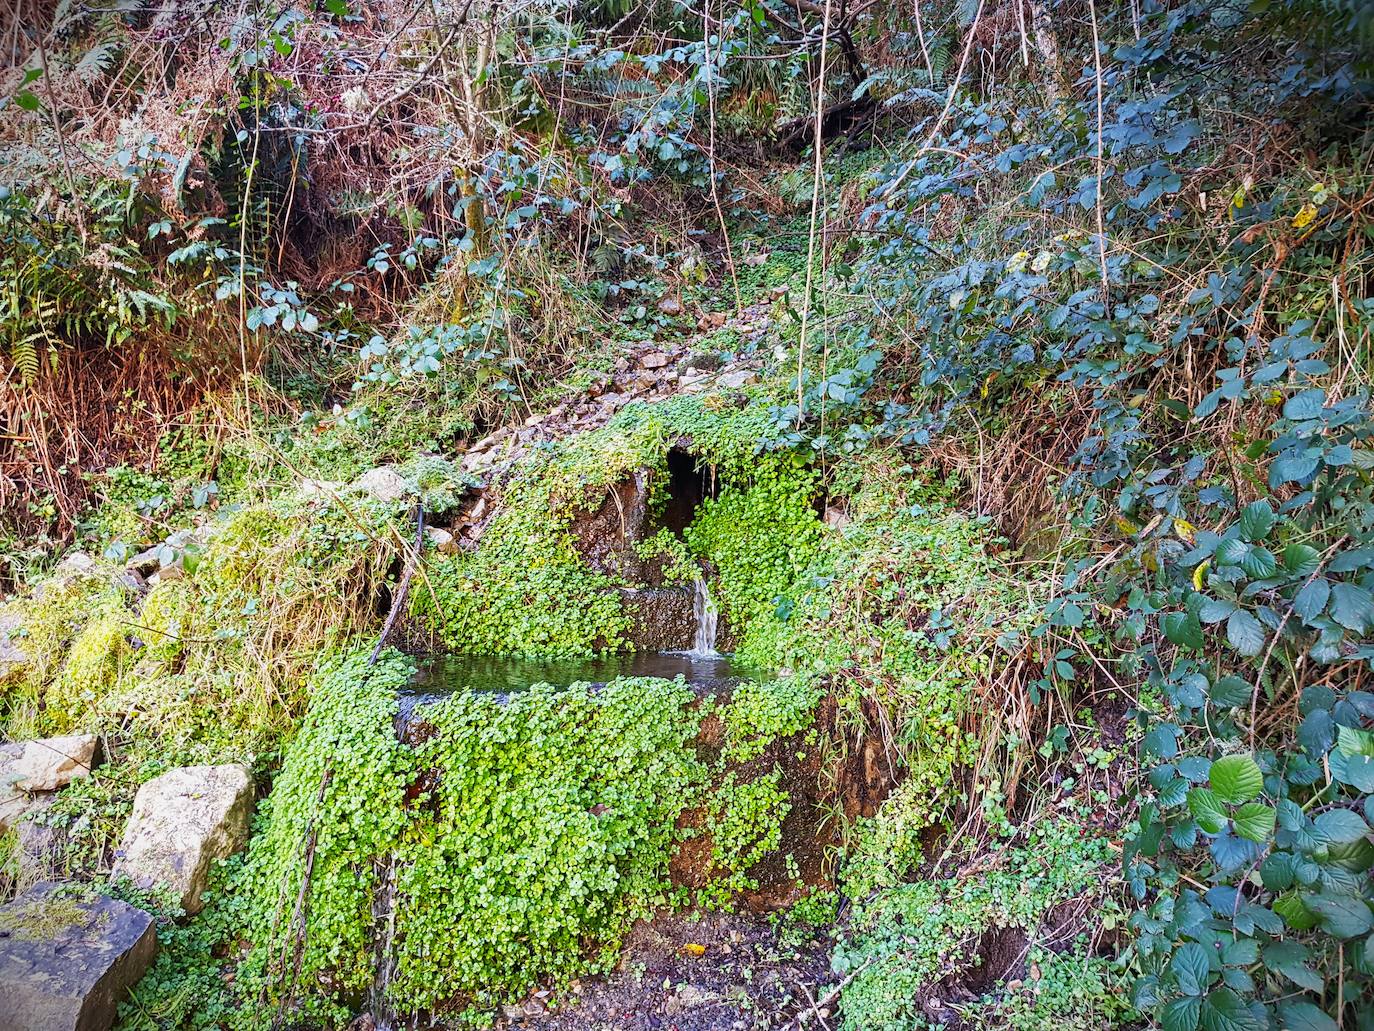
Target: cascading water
(704, 608)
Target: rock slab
(67, 962)
(182, 822)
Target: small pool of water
(444, 675)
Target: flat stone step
(66, 962)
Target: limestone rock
(48, 764)
(661, 619)
(655, 360)
(385, 484)
(66, 963)
(182, 821)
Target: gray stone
(385, 484)
(736, 379)
(654, 360)
(67, 962)
(183, 821)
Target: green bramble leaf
(1207, 810)
(1236, 779)
(1255, 821)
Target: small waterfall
(704, 608)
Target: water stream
(707, 617)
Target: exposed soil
(694, 972)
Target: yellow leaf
(1185, 530)
(693, 949)
(1305, 215)
(1199, 573)
(1125, 526)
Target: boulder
(67, 962)
(385, 484)
(183, 821)
(48, 764)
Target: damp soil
(694, 972)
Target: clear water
(707, 616)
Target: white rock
(384, 483)
(183, 821)
(44, 765)
(48, 764)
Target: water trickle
(704, 608)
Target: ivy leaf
(1255, 821)
(1245, 633)
(1207, 810)
(1236, 779)
(1192, 969)
(1256, 521)
(1224, 1010)
(1341, 826)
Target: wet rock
(66, 963)
(661, 618)
(654, 360)
(182, 821)
(384, 484)
(606, 534)
(48, 764)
